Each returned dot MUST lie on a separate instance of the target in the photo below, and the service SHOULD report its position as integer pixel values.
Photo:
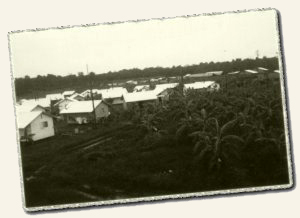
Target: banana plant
(216, 144)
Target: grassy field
(199, 141)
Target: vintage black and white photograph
(152, 109)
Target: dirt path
(70, 151)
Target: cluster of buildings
(35, 116)
(260, 72)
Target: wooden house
(114, 96)
(205, 85)
(34, 125)
(139, 99)
(81, 112)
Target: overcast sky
(165, 43)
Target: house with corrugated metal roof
(34, 125)
(29, 107)
(202, 85)
(85, 111)
(206, 74)
(44, 102)
(113, 96)
(139, 99)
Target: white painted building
(132, 82)
(114, 96)
(29, 108)
(139, 98)
(111, 93)
(208, 85)
(82, 111)
(44, 102)
(161, 87)
(34, 125)
(206, 74)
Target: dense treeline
(51, 83)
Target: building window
(44, 124)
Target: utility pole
(181, 81)
(92, 95)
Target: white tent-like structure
(199, 85)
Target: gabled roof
(70, 92)
(65, 99)
(28, 107)
(162, 87)
(81, 107)
(156, 79)
(44, 102)
(88, 92)
(132, 82)
(214, 73)
(25, 118)
(115, 92)
(56, 96)
(166, 85)
(198, 85)
(140, 96)
(206, 74)
(75, 95)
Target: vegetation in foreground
(198, 141)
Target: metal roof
(80, 107)
(140, 96)
(27, 107)
(56, 96)
(44, 102)
(70, 92)
(25, 118)
(198, 85)
(114, 92)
